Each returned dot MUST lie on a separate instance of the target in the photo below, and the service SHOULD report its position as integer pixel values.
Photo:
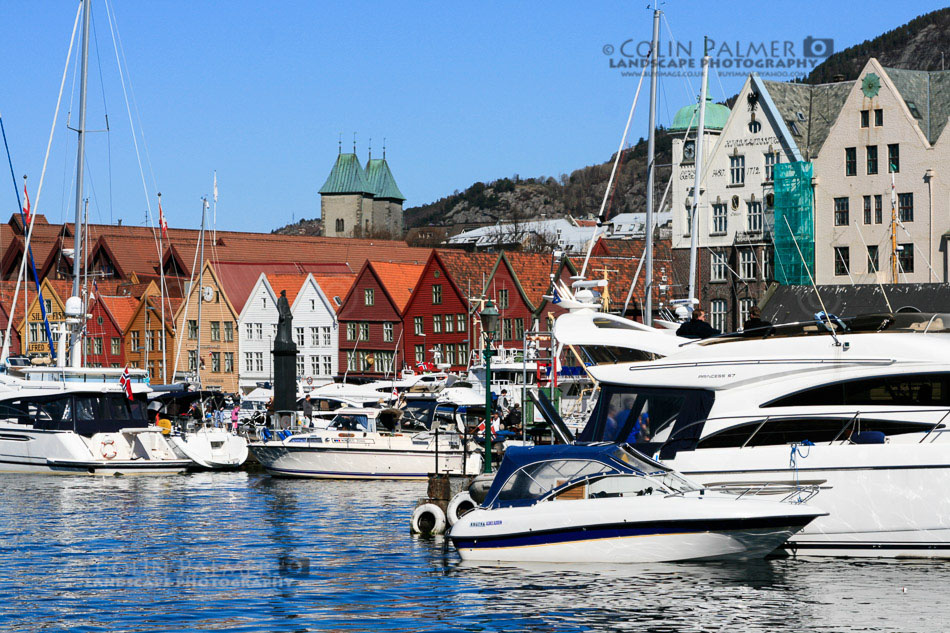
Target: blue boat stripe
(621, 530)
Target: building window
(754, 215)
(300, 367)
(872, 159)
(747, 263)
(867, 209)
(419, 326)
(327, 365)
(259, 330)
(503, 299)
(905, 207)
(894, 158)
(771, 159)
(133, 341)
(299, 336)
(248, 361)
(35, 332)
(720, 218)
(339, 225)
(460, 322)
(850, 161)
(436, 323)
(905, 257)
(879, 118)
(463, 354)
(878, 209)
(314, 365)
(519, 329)
(192, 360)
(149, 341)
(313, 305)
(717, 267)
(192, 329)
(327, 340)
(873, 259)
(264, 302)
(351, 360)
(449, 323)
(745, 306)
(314, 337)
(737, 170)
(215, 330)
(387, 332)
(351, 331)
(436, 294)
(229, 331)
(450, 354)
(216, 362)
(115, 346)
(249, 330)
(865, 118)
(384, 362)
(842, 260)
(369, 296)
(157, 340)
(97, 345)
(507, 333)
(841, 211)
(717, 314)
(229, 362)
(420, 353)
(364, 331)
(259, 361)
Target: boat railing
(792, 493)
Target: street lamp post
(489, 317)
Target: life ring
(461, 504)
(106, 452)
(428, 519)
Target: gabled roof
(808, 111)
(398, 280)
(346, 177)
(335, 286)
(121, 309)
(381, 181)
(289, 283)
(532, 273)
(927, 93)
(469, 271)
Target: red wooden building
(371, 319)
(105, 331)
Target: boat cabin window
(608, 354)
(417, 415)
(350, 422)
(105, 413)
(49, 413)
(643, 414)
(785, 431)
(931, 389)
(535, 480)
(445, 418)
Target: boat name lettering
(485, 523)
(716, 375)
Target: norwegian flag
(495, 426)
(126, 383)
(26, 207)
(161, 221)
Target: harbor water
(246, 552)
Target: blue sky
(261, 91)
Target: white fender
(458, 506)
(425, 515)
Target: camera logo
(818, 46)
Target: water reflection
(250, 553)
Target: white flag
(216, 187)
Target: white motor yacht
(364, 443)
(608, 503)
(80, 421)
(857, 407)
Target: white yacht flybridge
(857, 407)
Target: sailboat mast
(894, 267)
(80, 151)
(651, 151)
(697, 178)
(201, 271)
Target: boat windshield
(417, 415)
(350, 422)
(528, 475)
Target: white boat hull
(883, 500)
(212, 448)
(629, 530)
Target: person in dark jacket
(307, 410)
(754, 322)
(696, 327)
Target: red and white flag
(26, 208)
(126, 383)
(161, 221)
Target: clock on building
(689, 150)
(871, 85)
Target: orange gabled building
(105, 330)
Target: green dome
(687, 117)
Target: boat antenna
(824, 310)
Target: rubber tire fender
(461, 504)
(425, 514)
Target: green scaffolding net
(794, 222)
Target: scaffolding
(794, 223)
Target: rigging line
(876, 268)
(613, 172)
(674, 42)
(180, 335)
(721, 257)
(847, 266)
(117, 37)
(39, 190)
(824, 310)
(105, 107)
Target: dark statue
(285, 361)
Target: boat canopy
(527, 474)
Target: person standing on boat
(307, 410)
(234, 418)
(754, 324)
(504, 404)
(697, 327)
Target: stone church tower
(355, 202)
